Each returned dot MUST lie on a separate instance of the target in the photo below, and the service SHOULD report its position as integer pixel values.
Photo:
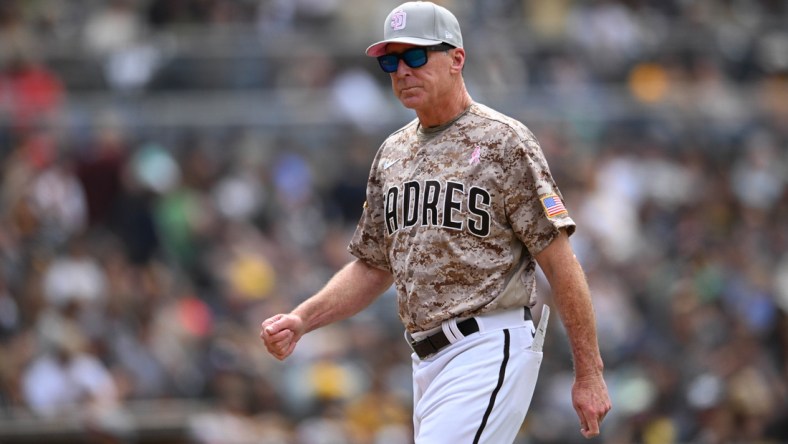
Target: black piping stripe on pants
(501, 375)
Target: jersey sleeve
(534, 205)
(369, 242)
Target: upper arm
(556, 257)
(376, 277)
(533, 204)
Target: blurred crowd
(137, 260)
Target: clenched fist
(280, 333)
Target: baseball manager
(461, 207)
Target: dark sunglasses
(413, 57)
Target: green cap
(418, 23)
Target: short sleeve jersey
(456, 213)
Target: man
(460, 208)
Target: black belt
(437, 341)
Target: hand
(591, 402)
(280, 334)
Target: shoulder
(407, 131)
(395, 143)
(510, 132)
(490, 119)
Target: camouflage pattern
(454, 213)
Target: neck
(447, 110)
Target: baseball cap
(418, 23)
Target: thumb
(278, 324)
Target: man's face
(422, 87)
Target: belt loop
(453, 334)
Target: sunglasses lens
(388, 62)
(415, 58)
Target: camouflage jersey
(456, 214)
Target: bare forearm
(573, 301)
(351, 290)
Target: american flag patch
(553, 206)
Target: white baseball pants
(479, 388)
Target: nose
(402, 68)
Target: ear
(457, 59)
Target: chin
(410, 102)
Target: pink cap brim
(379, 48)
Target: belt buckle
(414, 346)
(411, 342)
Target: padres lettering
(432, 203)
